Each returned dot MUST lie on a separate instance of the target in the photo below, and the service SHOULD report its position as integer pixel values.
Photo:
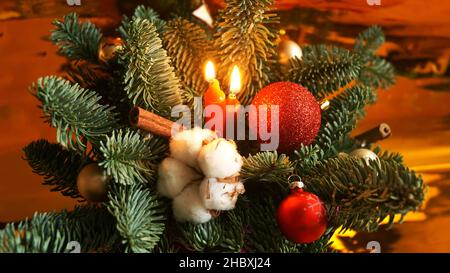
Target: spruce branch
(307, 156)
(324, 69)
(127, 156)
(150, 81)
(363, 195)
(189, 48)
(142, 12)
(77, 41)
(377, 73)
(75, 112)
(201, 237)
(243, 38)
(58, 166)
(267, 167)
(369, 41)
(221, 234)
(51, 232)
(341, 118)
(387, 155)
(140, 216)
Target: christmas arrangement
(148, 183)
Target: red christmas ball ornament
(302, 216)
(299, 114)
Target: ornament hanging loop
(295, 182)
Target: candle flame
(235, 84)
(210, 73)
(295, 50)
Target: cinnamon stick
(375, 134)
(152, 123)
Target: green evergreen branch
(74, 112)
(243, 38)
(307, 156)
(142, 12)
(201, 237)
(140, 216)
(324, 69)
(150, 81)
(369, 41)
(189, 48)
(58, 166)
(267, 167)
(362, 195)
(377, 73)
(387, 155)
(92, 227)
(341, 118)
(79, 41)
(127, 156)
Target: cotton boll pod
(174, 175)
(188, 206)
(186, 145)
(218, 195)
(220, 159)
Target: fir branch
(51, 232)
(307, 156)
(78, 41)
(267, 167)
(201, 237)
(222, 234)
(74, 112)
(377, 73)
(142, 12)
(127, 156)
(140, 216)
(58, 166)
(234, 232)
(340, 119)
(369, 41)
(324, 69)
(43, 234)
(242, 38)
(387, 155)
(189, 48)
(149, 80)
(363, 195)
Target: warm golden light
(210, 73)
(235, 84)
(295, 51)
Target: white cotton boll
(219, 195)
(174, 176)
(220, 159)
(186, 145)
(188, 207)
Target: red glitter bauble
(299, 114)
(302, 217)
